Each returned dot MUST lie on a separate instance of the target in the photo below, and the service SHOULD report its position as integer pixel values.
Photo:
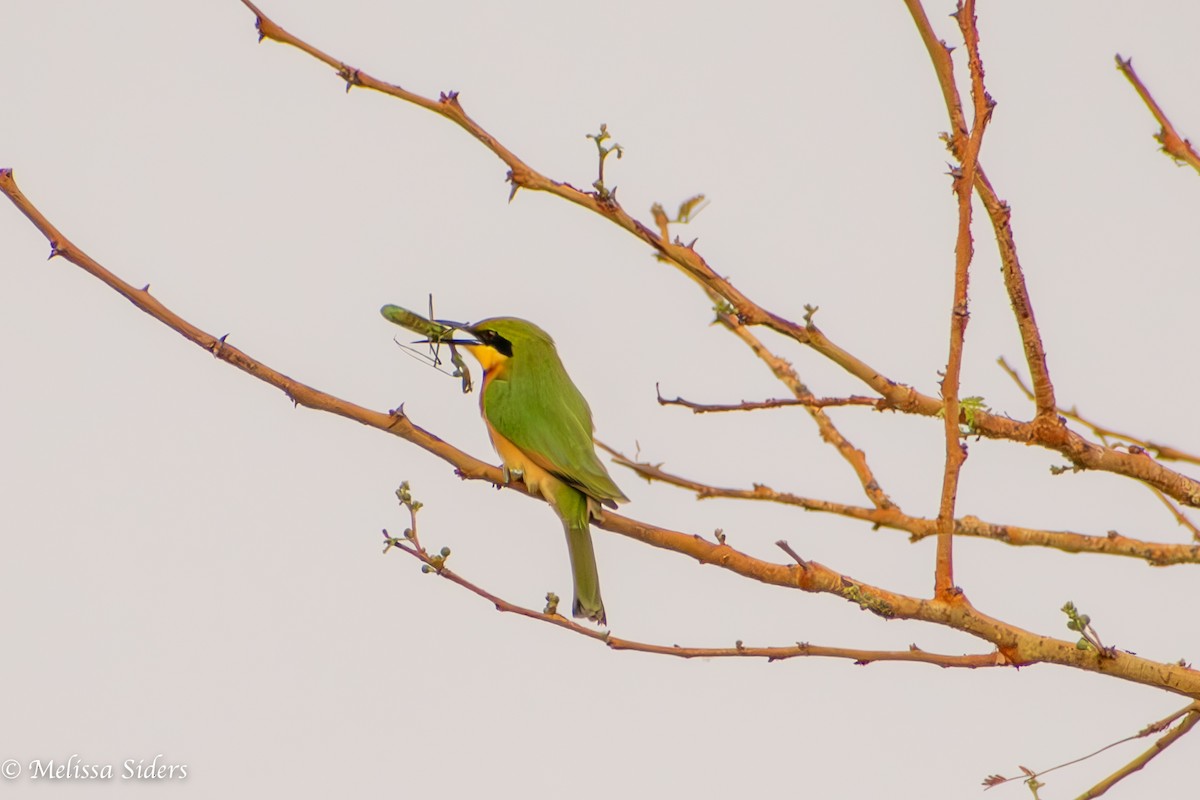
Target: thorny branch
(1160, 451)
(1018, 647)
(1191, 714)
(829, 432)
(1154, 553)
(1131, 443)
(786, 374)
(1041, 431)
(1173, 144)
(964, 253)
(739, 314)
(755, 405)
(1000, 215)
(410, 544)
(1162, 743)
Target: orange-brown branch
(782, 402)
(964, 253)
(1162, 743)
(1114, 544)
(1017, 646)
(1000, 215)
(1172, 143)
(738, 650)
(829, 432)
(1162, 451)
(900, 396)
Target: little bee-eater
(542, 429)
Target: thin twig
(1192, 709)
(829, 432)
(755, 405)
(1162, 451)
(778, 653)
(1105, 434)
(787, 375)
(1145, 758)
(1180, 518)
(787, 548)
(1114, 544)
(1173, 144)
(523, 176)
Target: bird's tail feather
(576, 517)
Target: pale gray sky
(192, 567)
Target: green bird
(542, 430)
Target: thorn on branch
(266, 28)
(350, 75)
(258, 25)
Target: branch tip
(787, 548)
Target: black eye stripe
(496, 342)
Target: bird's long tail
(572, 506)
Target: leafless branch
(1017, 646)
(1145, 758)
(915, 654)
(900, 396)
(1001, 218)
(964, 253)
(755, 405)
(1155, 553)
(1192, 713)
(1161, 451)
(1132, 443)
(1172, 143)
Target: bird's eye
(496, 342)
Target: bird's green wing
(541, 412)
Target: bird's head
(500, 340)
